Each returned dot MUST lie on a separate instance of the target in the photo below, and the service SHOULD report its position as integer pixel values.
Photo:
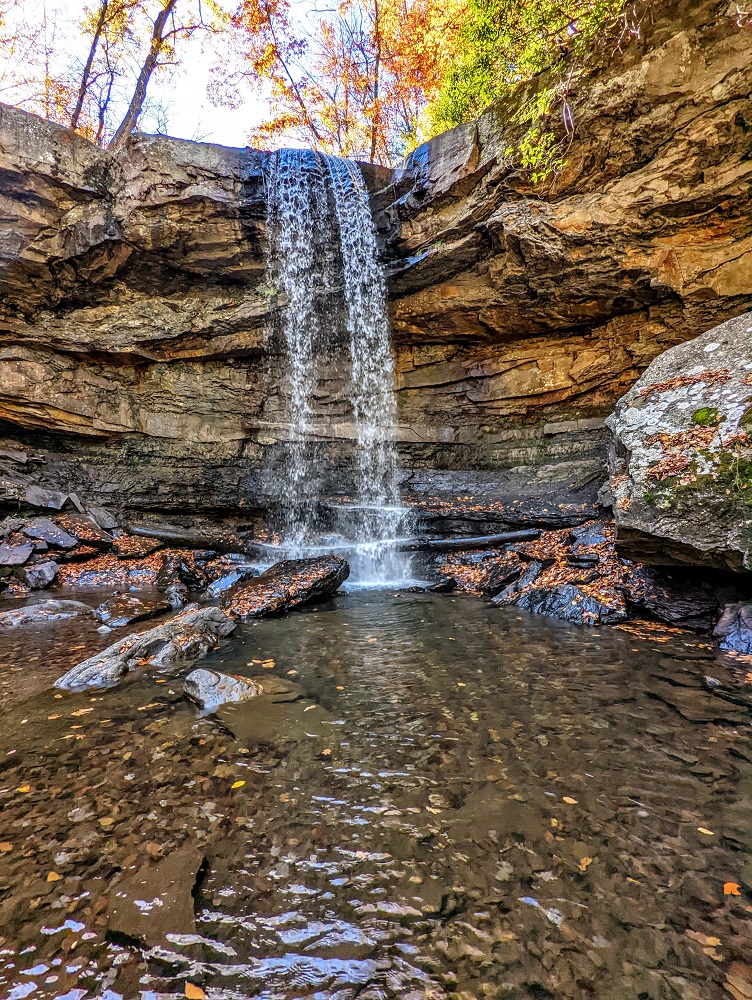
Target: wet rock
(39, 575)
(43, 613)
(587, 536)
(177, 595)
(673, 597)
(189, 635)
(181, 567)
(572, 604)
(501, 574)
(157, 900)
(48, 531)
(508, 595)
(445, 586)
(231, 578)
(287, 585)
(734, 630)
(85, 529)
(122, 609)
(133, 547)
(15, 555)
(209, 688)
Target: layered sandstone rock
(139, 367)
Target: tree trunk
(139, 95)
(87, 68)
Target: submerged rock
(734, 629)
(681, 454)
(287, 585)
(209, 688)
(189, 635)
(122, 609)
(157, 900)
(572, 604)
(43, 613)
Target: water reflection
(463, 802)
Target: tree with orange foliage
(357, 83)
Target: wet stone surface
(441, 800)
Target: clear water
(463, 803)
(323, 257)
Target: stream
(451, 801)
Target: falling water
(323, 258)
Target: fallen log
(175, 535)
(460, 544)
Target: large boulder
(680, 458)
(209, 688)
(188, 635)
(285, 586)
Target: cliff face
(134, 312)
(517, 308)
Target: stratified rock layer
(138, 368)
(681, 454)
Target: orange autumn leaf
(194, 992)
(731, 889)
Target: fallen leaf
(81, 711)
(55, 715)
(583, 865)
(5, 846)
(106, 822)
(24, 788)
(194, 992)
(569, 800)
(54, 877)
(703, 829)
(326, 752)
(731, 889)
(703, 939)
(237, 784)
(554, 822)
(268, 664)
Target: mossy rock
(707, 416)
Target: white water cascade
(322, 258)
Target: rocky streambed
(425, 796)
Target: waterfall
(322, 258)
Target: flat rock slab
(48, 531)
(132, 547)
(15, 555)
(43, 613)
(188, 635)
(85, 529)
(157, 900)
(285, 586)
(123, 609)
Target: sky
(182, 92)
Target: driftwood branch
(460, 544)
